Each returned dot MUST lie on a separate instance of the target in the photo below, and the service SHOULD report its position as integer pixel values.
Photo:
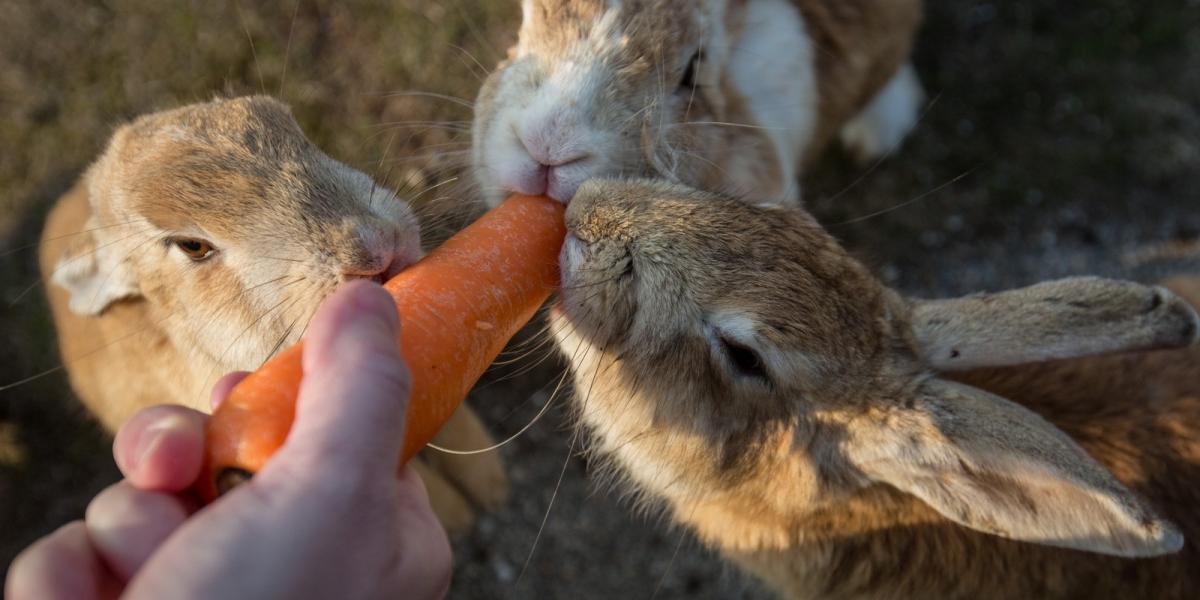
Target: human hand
(326, 517)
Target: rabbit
(736, 369)
(732, 96)
(201, 242)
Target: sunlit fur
(288, 224)
(854, 470)
(598, 82)
(141, 323)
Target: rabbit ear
(1056, 319)
(991, 465)
(95, 275)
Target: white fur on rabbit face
(628, 87)
(233, 228)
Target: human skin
(332, 514)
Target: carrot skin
(458, 308)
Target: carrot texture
(458, 307)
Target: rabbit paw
(882, 126)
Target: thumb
(353, 400)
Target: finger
(426, 561)
(161, 448)
(126, 525)
(352, 401)
(223, 386)
(63, 566)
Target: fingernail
(133, 458)
(148, 442)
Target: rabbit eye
(689, 74)
(744, 359)
(195, 249)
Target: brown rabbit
(737, 368)
(201, 242)
(725, 95)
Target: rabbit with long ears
(201, 242)
(725, 95)
(735, 366)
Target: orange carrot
(459, 306)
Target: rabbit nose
(551, 158)
(559, 161)
(383, 268)
(582, 204)
(373, 253)
(552, 144)
(376, 268)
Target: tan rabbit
(725, 95)
(737, 368)
(201, 242)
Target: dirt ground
(1062, 137)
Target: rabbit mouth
(595, 297)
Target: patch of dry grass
(70, 71)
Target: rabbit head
(728, 354)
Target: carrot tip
(460, 305)
(230, 478)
